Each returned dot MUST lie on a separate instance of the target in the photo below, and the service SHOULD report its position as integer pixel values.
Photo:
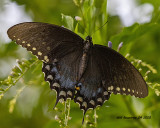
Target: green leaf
(68, 20)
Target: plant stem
(67, 112)
(65, 118)
(95, 117)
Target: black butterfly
(76, 68)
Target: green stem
(65, 118)
(83, 18)
(67, 112)
(95, 117)
(14, 100)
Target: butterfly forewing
(119, 74)
(45, 40)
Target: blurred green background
(26, 99)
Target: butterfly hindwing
(62, 74)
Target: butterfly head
(89, 39)
(88, 43)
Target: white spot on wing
(34, 48)
(47, 67)
(80, 99)
(62, 93)
(69, 93)
(43, 43)
(112, 88)
(99, 100)
(92, 102)
(48, 48)
(105, 93)
(118, 89)
(50, 77)
(45, 57)
(84, 104)
(39, 53)
(123, 89)
(28, 45)
(47, 60)
(56, 85)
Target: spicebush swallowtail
(76, 68)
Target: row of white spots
(124, 89)
(92, 102)
(110, 88)
(48, 48)
(69, 93)
(34, 49)
(62, 93)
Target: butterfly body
(76, 68)
(84, 60)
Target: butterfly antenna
(100, 27)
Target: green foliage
(16, 74)
(140, 41)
